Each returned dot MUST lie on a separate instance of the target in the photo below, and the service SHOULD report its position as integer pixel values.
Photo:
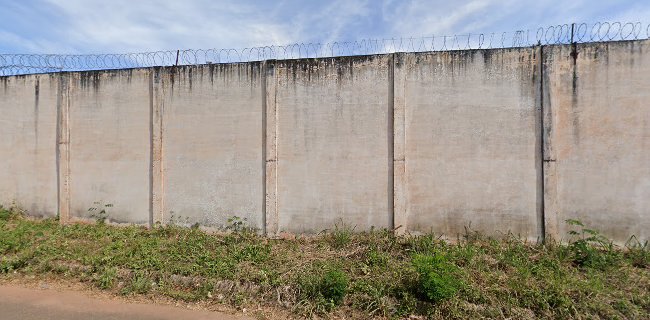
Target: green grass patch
(341, 273)
(438, 279)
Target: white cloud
(421, 17)
(336, 20)
(128, 25)
(427, 17)
(144, 25)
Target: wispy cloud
(138, 25)
(81, 26)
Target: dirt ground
(26, 300)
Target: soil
(28, 299)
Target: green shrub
(334, 286)
(437, 279)
(327, 290)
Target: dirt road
(30, 304)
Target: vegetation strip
(341, 273)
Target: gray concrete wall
(109, 117)
(471, 150)
(598, 132)
(212, 144)
(333, 143)
(504, 140)
(28, 176)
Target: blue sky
(92, 26)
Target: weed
(99, 211)
(327, 289)
(5, 214)
(340, 236)
(588, 248)
(638, 253)
(424, 244)
(267, 277)
(376, 258)
(239, 226)
(334, 286)
(106, 279)
(140, 283)
(252, 252)
(436, 277)
(10, 264)
(177, 220)
(12, 212)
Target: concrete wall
(504, 140)
(212, 144)
(333, 143)
(471, 149)
(598, 132)
(109, 144)
(28, 174)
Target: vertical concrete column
(550, 209)
(156, 96)
(270, 146)
(540, 141)
(63, 147)
(398, 77)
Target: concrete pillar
(156, 107)
(540, 145)
(270, 152)
(550, 207)
(398, 82)
(63, 147)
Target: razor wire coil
(15, 64)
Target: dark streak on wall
(574, 96)
(36, 112)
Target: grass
(341, 274)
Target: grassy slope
(339, 273)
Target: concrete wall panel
(28, 176)
(422, 141)
(110, 144)
(212, 144)
(471, 149)
(600, 137)
(333, 143)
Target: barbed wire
(15, 64)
